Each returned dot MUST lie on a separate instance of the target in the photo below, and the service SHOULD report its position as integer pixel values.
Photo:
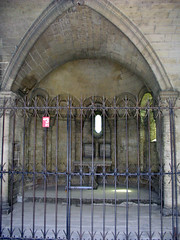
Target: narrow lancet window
(98, 123)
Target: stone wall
(46, 148)
(148, 39)
(158, 21)
(101, 78)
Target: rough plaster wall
(95, 77)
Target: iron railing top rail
(86, 103)
(86, 108)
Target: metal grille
(66, 181)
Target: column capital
(8, 97)
(168, 96)
(7, 94)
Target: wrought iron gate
(63, 176)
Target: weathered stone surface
(152, 18)
(89, 52)
(64, 41)
(102, 78)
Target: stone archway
(113, 15)
(129, 48)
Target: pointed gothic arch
(112, 14)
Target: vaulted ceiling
(80, 33)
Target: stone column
(5, 143)
(167, 97)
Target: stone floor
(98, 195)
(127, 215)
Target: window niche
(96, 129)
(98, 125)
(148, 145)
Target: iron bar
(12, 168)
(28, 108)
(92, 172)
(56, 176)
(68, 227)
(45, 180)
(161, 171)
(2, 167)
(70, 125)
(172, 166)
(149, 167)
(138, 171)
(44, 232)
(80, 188)
(104, 172)
(67, 170)
(175, 172)
(81, 169)
(127, 173)
(34, 175)
(115, 172)
(89, 174)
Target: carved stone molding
(168, 96)
(7, 97)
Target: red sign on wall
(45, 122)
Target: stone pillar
(5, 142)
(168, 149)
